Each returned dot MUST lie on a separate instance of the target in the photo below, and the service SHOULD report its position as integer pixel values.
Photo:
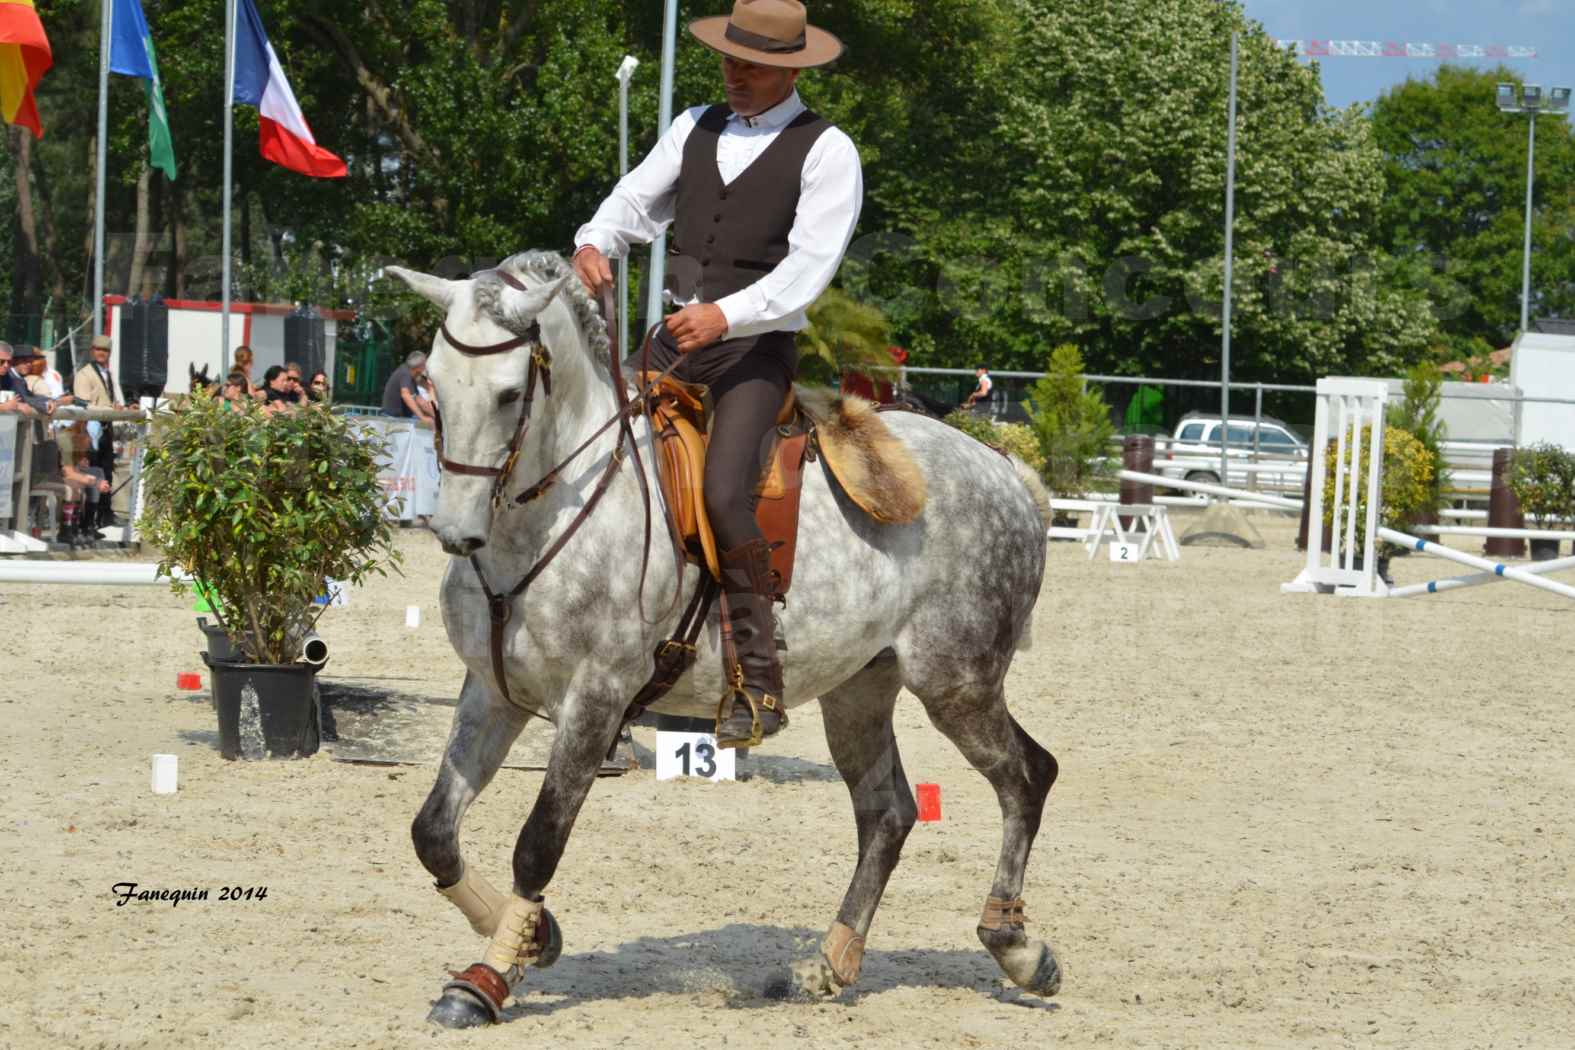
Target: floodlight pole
(1230, 221)
(1525, 284)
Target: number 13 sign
(693, 755)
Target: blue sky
(1547, 25)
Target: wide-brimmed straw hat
(768, 33)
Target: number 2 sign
(693, 755)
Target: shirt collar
(775, 118)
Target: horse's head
(497, 323)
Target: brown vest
(727, 237)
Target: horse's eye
(508, 397)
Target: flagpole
(229, 179)
(106, 29)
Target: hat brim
(820, 47)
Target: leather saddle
(679, 413)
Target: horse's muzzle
(460, 546)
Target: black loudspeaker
(306, 341)
(144, 348)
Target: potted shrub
(263, 508)
(1407, 488)
(1542, 476)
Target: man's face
(417, 371)
(101, 356)
(753, 89)
(5, 363)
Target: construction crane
(1402, 49)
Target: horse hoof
(815, 979)
(1033, 968)
(459, 1008)
(550, 935)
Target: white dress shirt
(831, 194)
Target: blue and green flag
(131, 54)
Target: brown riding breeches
(749, 380)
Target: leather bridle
(500, 604)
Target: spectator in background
(235, 388)
(402, 395)
(14, 394)
(318, 390)
(243, 365)
(279, 393)
(297, 384)
(42, 381)
(982, 391)
(94, 387)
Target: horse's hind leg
(1022, 773)
(485, 727)
(857, 717)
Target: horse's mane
(544, 267)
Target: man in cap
(15, 394)
(94, 387)
(763, 196)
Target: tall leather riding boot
(752, 707)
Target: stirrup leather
(724, 710)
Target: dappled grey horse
(937, 606)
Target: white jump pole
(1494, 568)
(107, 573)
(1476, 580)
(1278, 502)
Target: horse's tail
(1041, 497)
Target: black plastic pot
(1544, 550)
(265, 710)
(219, 646)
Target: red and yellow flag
(24, 57)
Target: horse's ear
(434, 289)
(536, 299)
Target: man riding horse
(763, 196)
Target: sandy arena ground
(1281, 821)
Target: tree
(1454, 207)
(1072, 423)
(1104, 221)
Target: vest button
(705, 262)
(718, 217)
(710, 238)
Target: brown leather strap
(676, 655)
(480, 977)
(999, 913)
(532, 335)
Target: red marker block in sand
(188, 681)
(929, 796)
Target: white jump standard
(1348, 405)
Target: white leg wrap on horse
(844, 950)
(478, 900)
(514, 941)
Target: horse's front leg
(523, 929)
(485, 728)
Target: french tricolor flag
(259, 81)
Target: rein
(500, 604)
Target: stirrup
(724, 711)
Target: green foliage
(1417, 415)
(1542, 476)
(1408, 485)
(1455, 200)
(1071, 422)
(264, 508)
(1016, 439)
(843, 335)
